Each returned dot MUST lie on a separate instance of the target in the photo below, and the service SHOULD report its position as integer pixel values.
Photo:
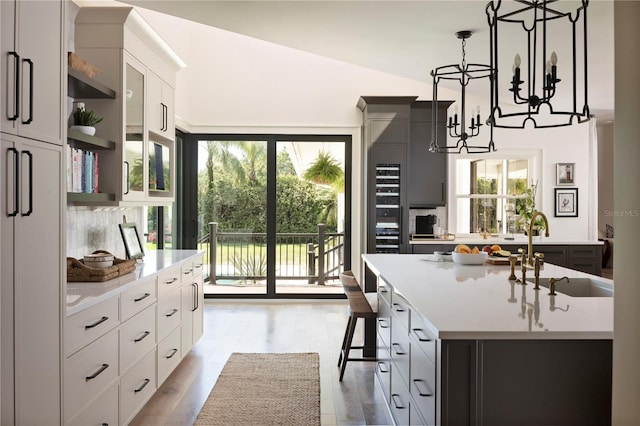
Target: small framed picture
(566, 202)
(565, 173)
(131, 239)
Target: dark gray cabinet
(427, 170)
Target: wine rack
(388, 208)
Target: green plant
(85, 117)
(526, 209)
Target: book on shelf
(82, 171)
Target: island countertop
(519, 239)
(479, 301)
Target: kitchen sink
(580, 287)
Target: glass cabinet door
(134, 167)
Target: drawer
(422, 385)
(137, 298)
(384, 331)
(384, 291)
(555, 254)
(422, 336)
(89, 371)
(584, 264)
(399, 403)
(104, 411)
(383, 371)
(187, 271)
(198, 266)
(169, 355)
(169, 313)
(137, 386)
(583, 251)
(399, 349)
(137, 337)
(169, 280)
(86, 326)
(400, 309)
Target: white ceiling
(404, 38)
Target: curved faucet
(530, 232)
(552, 284)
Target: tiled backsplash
(91, 229)
(441, 212)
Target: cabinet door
(134, 164)
(32, 93)
(427, 170)
(187, 295)
(198, 311)
(31, 280)
(160, 114)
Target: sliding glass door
(271, 213)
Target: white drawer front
(187, 271)
(169, 280)
(169, 313)
(137, 337)
(198, 263)
(87, 325)
(169, 355)
(137, 386)
(104, 411)
(89, 371)
(137, 298)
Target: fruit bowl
(470, 258)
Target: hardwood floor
(270, 326)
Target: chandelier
(459, 129)
(535, 78)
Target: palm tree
(327, 172)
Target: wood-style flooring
(270, 326)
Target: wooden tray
(77, 271)
(493, 260)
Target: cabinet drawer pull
(173, 352)
(398, 307)
(397, 402)
(382, 367)
(425, 389)
(144, 335)
(171, 281)
(421, 335)
(198, 266)
(16, 104)
(172, 313)
(383, 323)
(97, 373)
(144, 296)
(188, 272)
(398, 349)
(97, 323)
(383, 290)
(30, 157)
(144, 384)
(30, 63)
(105, 424)
(16, 180)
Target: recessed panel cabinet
(161, 114)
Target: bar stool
(361, 305)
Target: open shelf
(86, 197)
(81, 86)
(82, 140)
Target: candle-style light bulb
(548, 67)
(517, 61)
(554, 58)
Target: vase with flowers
(525, 207)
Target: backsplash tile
(90, 229)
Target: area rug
(265, 389)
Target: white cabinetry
(120, 349)
(141, 68)
(32, 58)
(192, 304)
(31, 280)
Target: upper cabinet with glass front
(133, 59)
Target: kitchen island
(463, 344)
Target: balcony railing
(313, 258)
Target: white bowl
(98, 260)
(470, 258)
(443, 255)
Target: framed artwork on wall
(566, 202)
(565, 173)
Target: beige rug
(265, 389)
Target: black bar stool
(361, 305)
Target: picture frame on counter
(566, 202)
(565, 173)
(131, 239)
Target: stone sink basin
(580, 287)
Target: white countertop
(81, 295)
(479, 302)
(519, 239)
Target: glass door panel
(134, 134)
(232, 195)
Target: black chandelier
(534, 86)
(460, 129)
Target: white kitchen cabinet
(32, 280)
(192, 305)
(161, 115)
(32, 57)
(141, 68)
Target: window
(489, 192)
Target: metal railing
(242, 256)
